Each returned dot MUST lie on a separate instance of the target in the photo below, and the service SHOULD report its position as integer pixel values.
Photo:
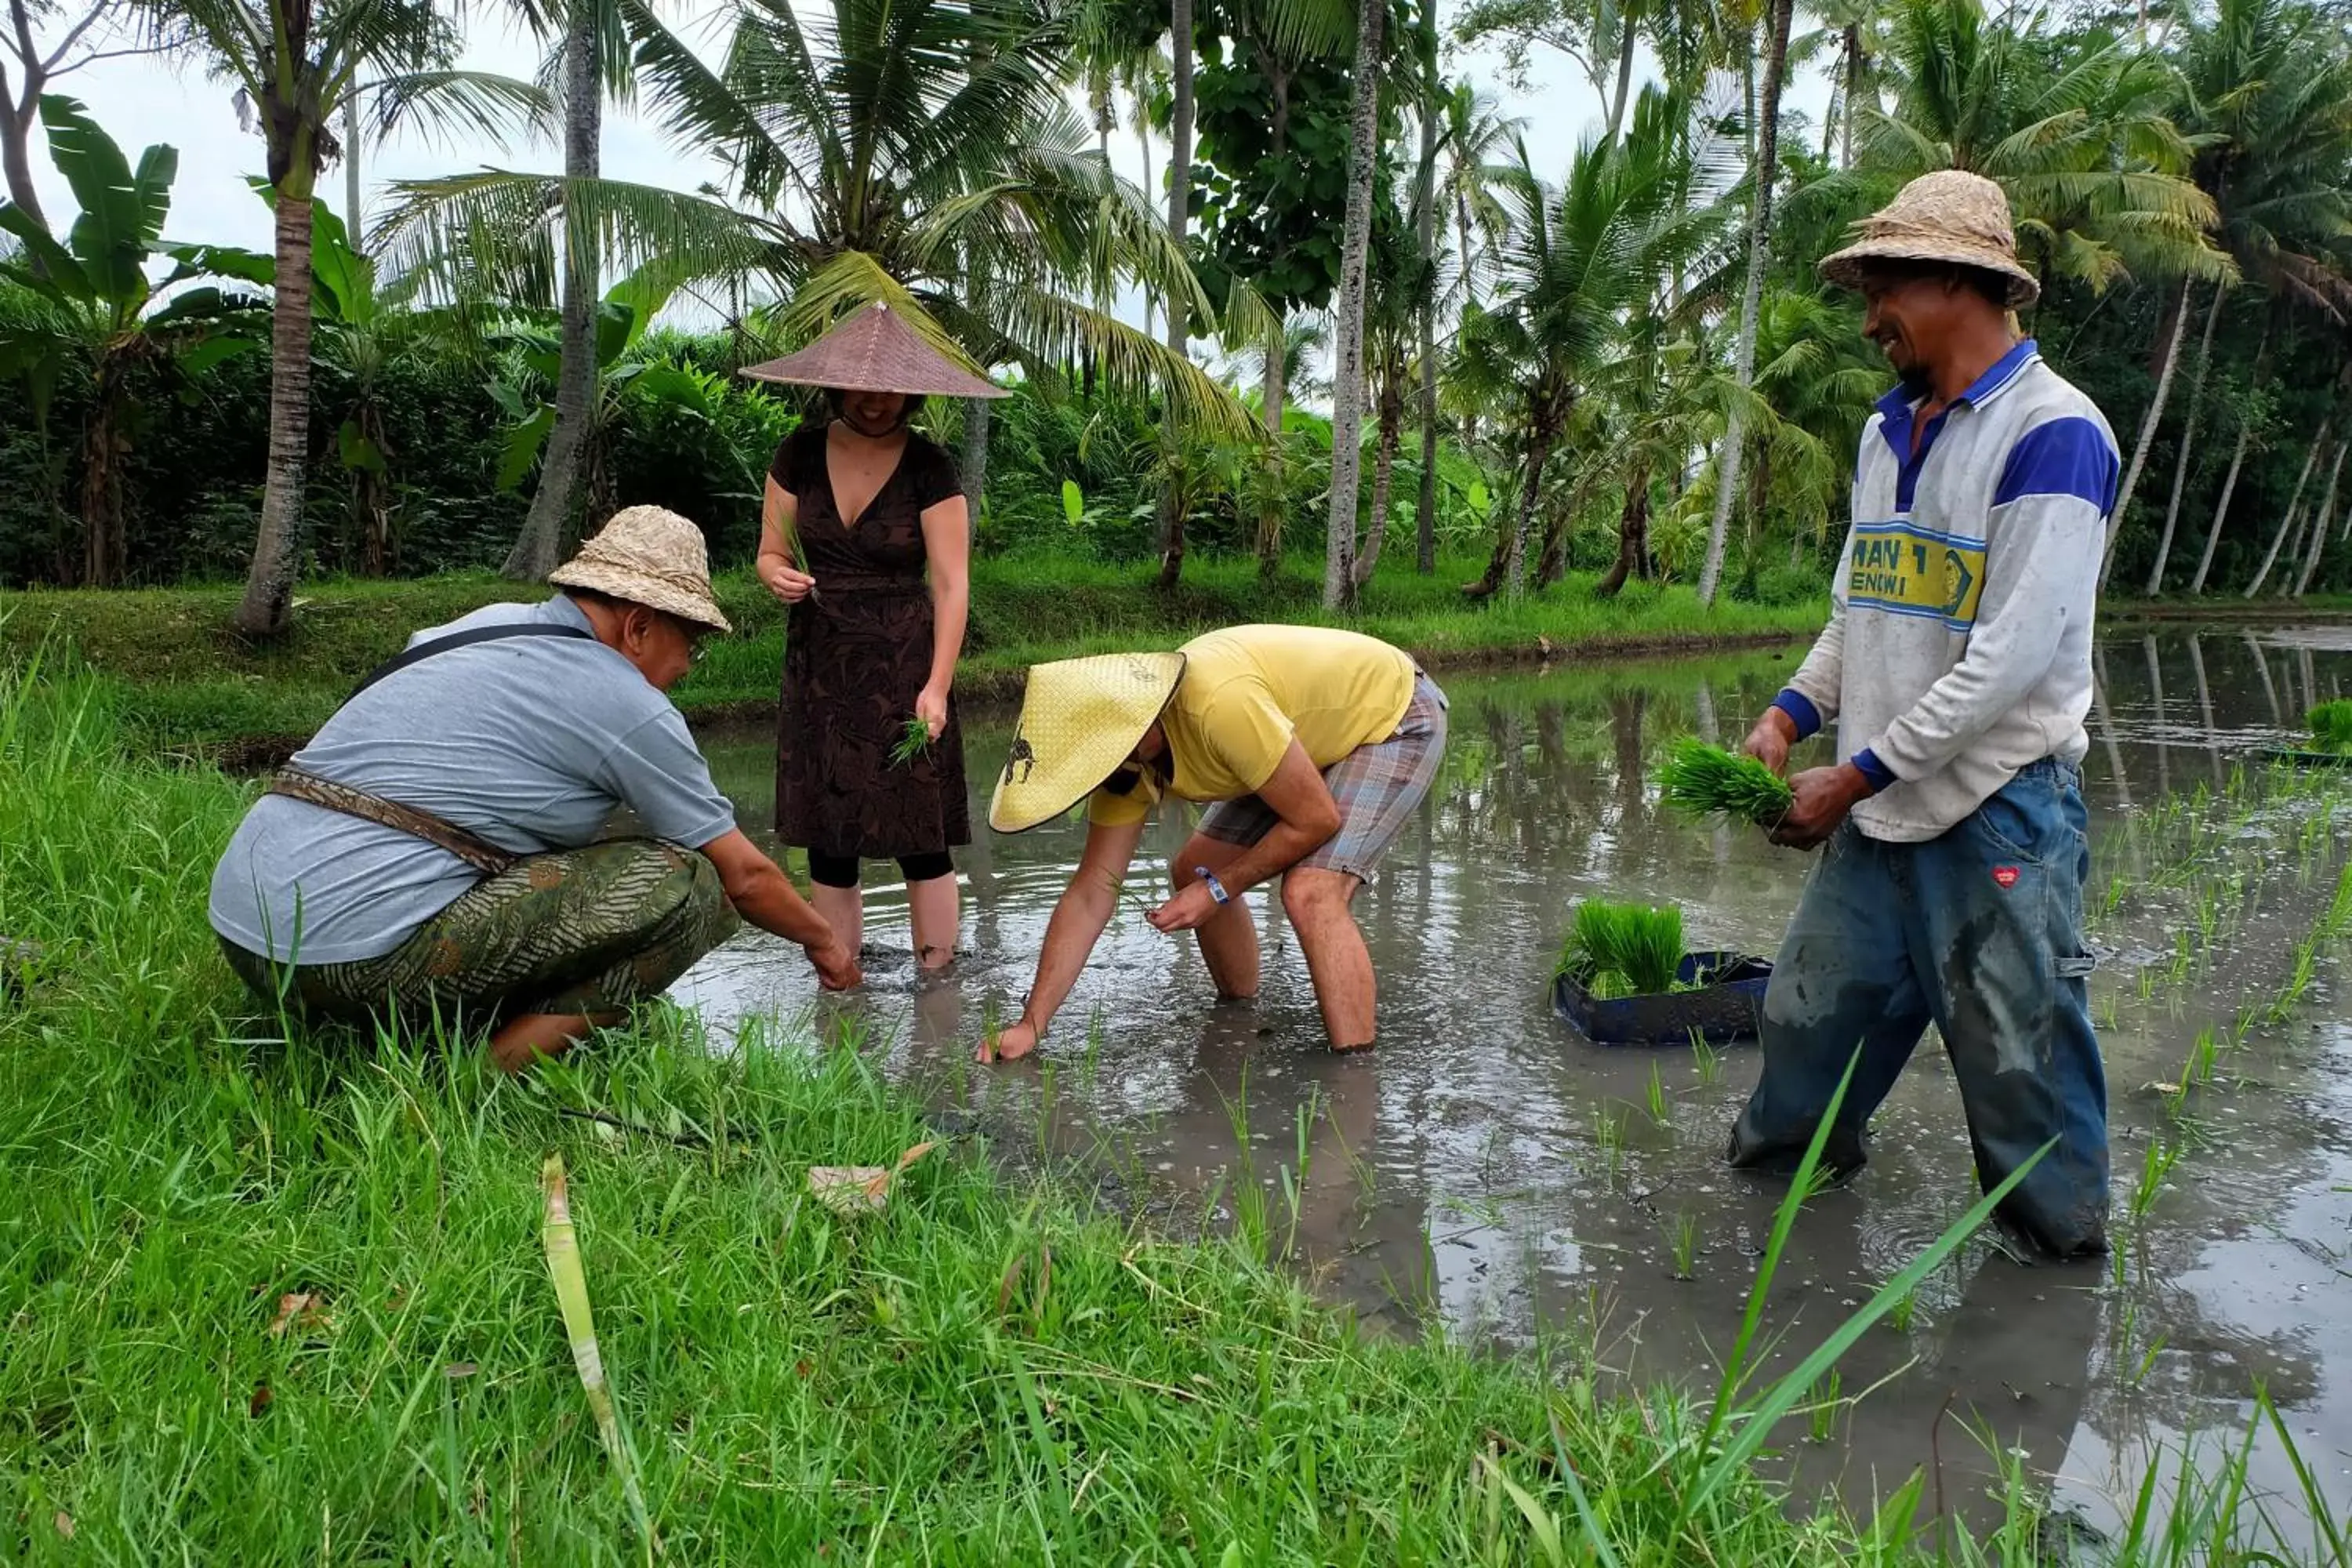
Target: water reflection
(1491, 1167)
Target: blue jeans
(1980, 932)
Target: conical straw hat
(652, 557)
(874, 350)
(1080, 717)
(1950, 216)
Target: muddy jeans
(1979, 932)
(586, 930)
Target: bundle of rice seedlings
(1623, 949)
(2331, 726)
(914, 740)
(1699, 779)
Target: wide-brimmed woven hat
(874, 350)
(650, 556)
(1080, 717)
(1951, 217)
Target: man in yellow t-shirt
(1314, 746)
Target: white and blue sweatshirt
(1958, 647)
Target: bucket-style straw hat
(874, 350)
(1080, 717)
(650, 556)
(1951, 216)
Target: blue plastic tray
(1727, 1009)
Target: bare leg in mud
(1229, 940)
(522, 1040)
(1317, 901)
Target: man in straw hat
(1957, 665)
(1314, 746)
(435, 850)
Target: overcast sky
(176, 100)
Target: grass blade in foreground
(580, 1324)
(1701, 780)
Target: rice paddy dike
(1185, 1288)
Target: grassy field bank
(196, 684)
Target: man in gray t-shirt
(517, 741)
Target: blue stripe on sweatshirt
(2066, 457)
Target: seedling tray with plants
(2331, 738)
(1625, 979)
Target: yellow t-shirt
(1247, 691)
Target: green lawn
(196, 684)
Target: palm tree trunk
(1625, 39)
(276, 547)
(1277, 368)
(2222, 508)
(354, 229)
(2188, 443)
(541, 547)
(1384, 451)
(1751, 296)
(2294, 507)
(1852, 83)
(1511, 536)
(371, 486)
(1632, 537)
(973, 462)
(1424, 515)
(2319, 521)
(2147, 424)
(105, 555)
(1347, 374)
(1180, 206)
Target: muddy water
(1490, 1167)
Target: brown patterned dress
(856, 651)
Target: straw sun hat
(1949, 217)
(649, 556)
(874, 350)
(1079, 720)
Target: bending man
(1315, 747)
(435, 848)
(1957, 665)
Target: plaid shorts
(1377, 786)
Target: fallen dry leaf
(298, 1310)
(260, 1400)
(457, 1369)
(64, 1521)
(860, 1189)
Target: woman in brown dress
(865, 535)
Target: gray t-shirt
(531, 743)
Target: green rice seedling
(1682, 1240)
(1623, 949)
(1608, 1147)
(914, 740)
(1705, 1058)
(1661, 1111)
(2154, 1168)
(1899, 1316)
(1822, 1418)
(1702, 779)
(2331, 726)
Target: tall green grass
(987, 1372)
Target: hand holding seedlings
(786, 581)
(1770, 741)
(914, 740)
(1011, 1043)
(1699, 780)
(1188, 910)
(931, 708)
(1823, 797)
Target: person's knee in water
(1957, 667)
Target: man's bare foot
(1354, 1050)
(522, 1040)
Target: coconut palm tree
(294, 63)
(1576, 264)
(918, 153)
(1355, 256)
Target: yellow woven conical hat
(1080, 717)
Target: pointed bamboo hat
(874, 350)
(1079, 720)
(1951, 216)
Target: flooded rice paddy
(1491, 1170)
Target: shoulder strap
(460, 639)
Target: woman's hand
(931, 708)
(783, 580)
(837, 966)
(1011, 1042)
